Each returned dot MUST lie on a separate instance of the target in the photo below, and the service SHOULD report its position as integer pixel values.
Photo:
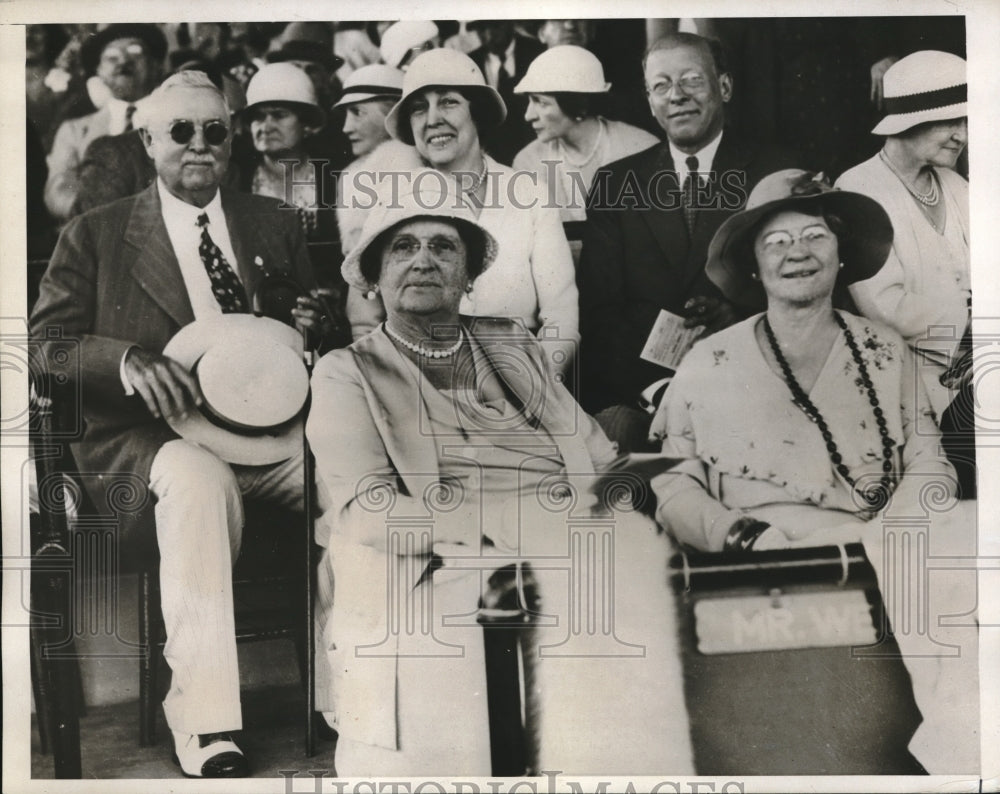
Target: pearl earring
(468, 288)
(841, 265)
(755, 276)
(372, 294)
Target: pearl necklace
(875, 496)
(479, 179)
(579, 163)
(420, 350)
(928, 199)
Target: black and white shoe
(209, 755)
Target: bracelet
(743, 534)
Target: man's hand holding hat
(166, 387)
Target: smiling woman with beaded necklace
(800, 423)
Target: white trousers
(199, 527)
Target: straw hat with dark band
(922, 87)
(863, 247)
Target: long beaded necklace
(876, 496)
(928, 199)
(420, 350)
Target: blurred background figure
(465, 40)
(43, 45)
(369, 94)
(554, 32)
(352, 43)
(504, 58)
(403, 41)
(127, 58)
(565, 88)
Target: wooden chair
(59, 544)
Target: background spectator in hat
(369, 94)
(504, 58)
(116, 166)
(465, 39)
(403, 41)
(445, 109)
(127, 58)
(565, 87)
(309, 45)
(926, 282)
(281, 114)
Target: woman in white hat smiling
(445, 107)
(459, 423)
(565, 87)
(926, 281)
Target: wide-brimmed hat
(375, 81)
(444, 68)
(151, 36)
(254, 382)
(285, 84)
(307, 41)
(401, 37)
(565, 68)
(427, 194)
(864, 246)
(926, 86)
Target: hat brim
(495, 107)
(310, 115)
(289, 53)
(896, 123)
(353, 99)
(863, 250)
(188, 345)
(351, 267)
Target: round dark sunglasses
(215, 132)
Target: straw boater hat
(254, 382)
(925, 86)
(287, 85)
(428, 194)
(444, 68)
(375, 81)
(863, 247)
(565, 68)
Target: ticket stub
(669, 340)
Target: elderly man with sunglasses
(124, 278)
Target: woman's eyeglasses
(780, 241)
(215, 132)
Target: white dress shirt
(181, 220)
(118, 111)
(705, 155)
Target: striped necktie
(690, 186)
(129, 113)
(226, 286)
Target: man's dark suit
(515, 133)
(638, 259)
(113, 282)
